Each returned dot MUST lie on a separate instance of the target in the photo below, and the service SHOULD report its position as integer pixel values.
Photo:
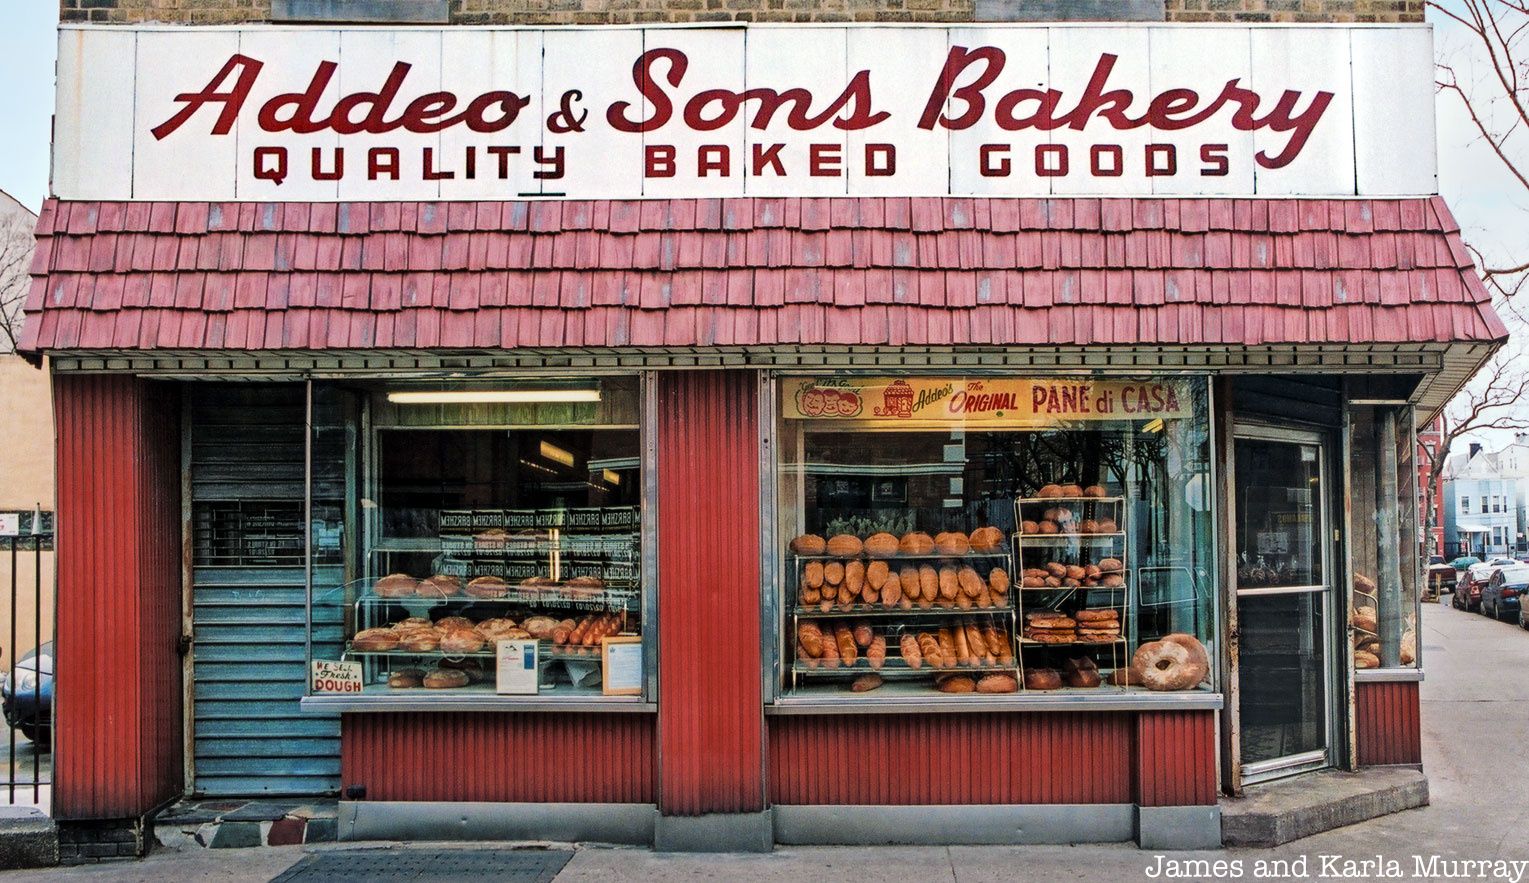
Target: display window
(994, 535)
(497, 544)
(1383, 611)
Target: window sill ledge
(1387, 675)
(999, 703)
(384, 704)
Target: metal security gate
(248, 665)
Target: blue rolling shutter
(248, 612)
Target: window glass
(1384, 605)
(994, 534)
(500, 543)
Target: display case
(493, 541)
(1087, 499)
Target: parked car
(1441, 581)
(1500, 598)
(1468, 590)
(1464, 561)
(26, 695)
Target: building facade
(1482, 503)
(634, 417)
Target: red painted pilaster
(1175, 758)
(710, 718)
(117, 706)
(1387, 723)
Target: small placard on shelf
(621, 665)
(516, 671)
(329, 676)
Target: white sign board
(277, 113)
(516, 667)
(10, 524)
(336, 677)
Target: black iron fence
(26, 685)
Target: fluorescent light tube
(556, 454)
(508, 396)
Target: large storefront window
(994, 535)
(500, 538)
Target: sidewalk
(1473, 719)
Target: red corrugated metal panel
(528, 757)
(1387, 723)
(710, 718)
(1176, 761)
(913, 759)
(118, 703)
(692, 273)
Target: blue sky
(1492, 208)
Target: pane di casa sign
(266, 113)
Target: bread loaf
(811, 636)
(949, 585)
(812, 574)
(928, 582)
(844, 545)
(854, 575)
(908, 578)
(876, 653)
(952, 543)
(978, 645)
(930, 648)
(805, 658)
(963, 601)
(915, 543)
(846, 642)
(846, 597)
(810, 596)
(956, 684)
(809, 544)
(963, 649)
(865, 683)
(971, 583)
(998, 683)
(863, 635)
(948, 649)
(908, 646)
(877, 573)
(833, 573)
(881, 545)
(891, 591)
(986, 539)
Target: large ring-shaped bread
(1196, 649)
(1167, 665)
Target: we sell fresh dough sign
(278, 113)
(887, 403)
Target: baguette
(928, 582)
(910, 652)
(863, 635)
(971, 583)
(949, 586)
(931, 650)
(908, 579)
(963, 650)
(948, 649)
(891, 589)
(876, 654)
(806, 658)
(877, 573)
(810, 634)
(974, 640)
(998, 580)
(854, 575)
(846, 641)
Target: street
(1475, 715)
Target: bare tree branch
(16, 246)
(1496, 103)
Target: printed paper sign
(621, 665)
(516, 669)
(10, 524)
(311, 113)
(888, 403)
(336, 677)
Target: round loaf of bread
(844, 545)
(986, 539)
(375, 640)
(406, 678)
(881, 545)
(1050, 490)
(809, 544)
(445, 678)
(952, 543)
(487, 587)
(396, 585)
(1042, 679)
(916, 543)
(442, 585)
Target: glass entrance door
(1283, 605)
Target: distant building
(1482, 502)
(1430, 506)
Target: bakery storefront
(742, 436)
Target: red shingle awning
(751, 272)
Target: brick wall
(627, 11)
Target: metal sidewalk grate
(516, 865)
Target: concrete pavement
(1475, 721)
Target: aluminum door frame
(1328, 756)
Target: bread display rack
(1072, 549)
(504, 568)
(858, 604)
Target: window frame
(775, 654)
(366, 433)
